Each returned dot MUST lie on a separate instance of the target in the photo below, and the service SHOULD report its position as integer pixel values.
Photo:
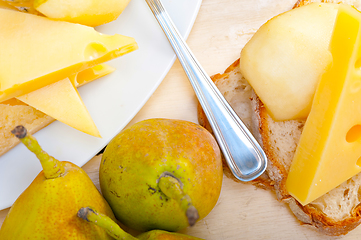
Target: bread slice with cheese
(335, 213)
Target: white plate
(112, 101)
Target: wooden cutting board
(243, 211)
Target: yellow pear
(93, 216)
(26, 6)
(87, 12)
(48, 208)
(286, 57)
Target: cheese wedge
(36, 51)
(14, 112)
(61, 100)
(329, 150)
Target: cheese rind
(36, 51)
(330, 145)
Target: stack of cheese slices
(44, 61)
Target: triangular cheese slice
(61, 101)
(56, 100)
(36, 51)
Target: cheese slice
(36, 51)
(61, 99)
(329, 151)
(82, 78)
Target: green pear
(161, 174)
(91, 215)
(48, 208)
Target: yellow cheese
(61, 100)
(36, 51)
(329, 151)
(92, 74)
(70, 108)
(81, 79)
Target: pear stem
(172, 188)
(52, 167)
(91, 215)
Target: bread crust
(309, 215)
(275, 170)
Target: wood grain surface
(243, 211)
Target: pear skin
(91, 215)
(156, 171)
(286, 57)
(164, 235)
(47, 209)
